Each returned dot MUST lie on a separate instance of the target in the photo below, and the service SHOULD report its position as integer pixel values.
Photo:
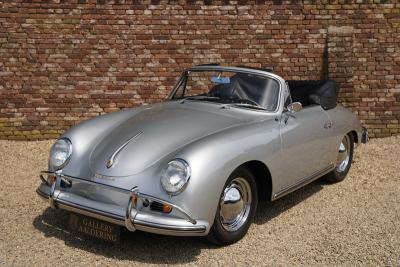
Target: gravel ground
(355, 222)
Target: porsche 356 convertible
(198, 163)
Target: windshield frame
(204, 68)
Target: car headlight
(60, 153)
(175, 176)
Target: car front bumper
(130, 217)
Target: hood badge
(110, 162)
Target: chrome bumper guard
(365, 136)
(133, 219)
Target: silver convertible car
(198, 163)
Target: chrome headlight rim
(69, 154)
(186, 179)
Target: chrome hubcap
(344, 155)
(235, 204)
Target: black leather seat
(311, 92)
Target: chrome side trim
(142, 225)
(303, 182)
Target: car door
(304, 147)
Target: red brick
(58, 68)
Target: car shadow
(151, 248)
(268, 210)
(133, 246)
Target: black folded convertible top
(319, 92)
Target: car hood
(155, 132)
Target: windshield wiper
(200, 97)
(244, 103)
(247, 105)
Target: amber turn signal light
(52, 178)
(166, 208)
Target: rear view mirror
(219, 80)
(294, 107)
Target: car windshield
(227, 87)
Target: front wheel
(344, 159)
(236, 208)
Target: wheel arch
(355, 136)
(263, 178)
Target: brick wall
(65, 61)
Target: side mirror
(294, 107)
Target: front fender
(214, 158)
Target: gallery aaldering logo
(95, 228)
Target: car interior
(263, 91)
(314, 92)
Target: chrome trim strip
(303, 182)
(169, 228)
(110, 161)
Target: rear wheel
(344, 159)
(236, 208)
